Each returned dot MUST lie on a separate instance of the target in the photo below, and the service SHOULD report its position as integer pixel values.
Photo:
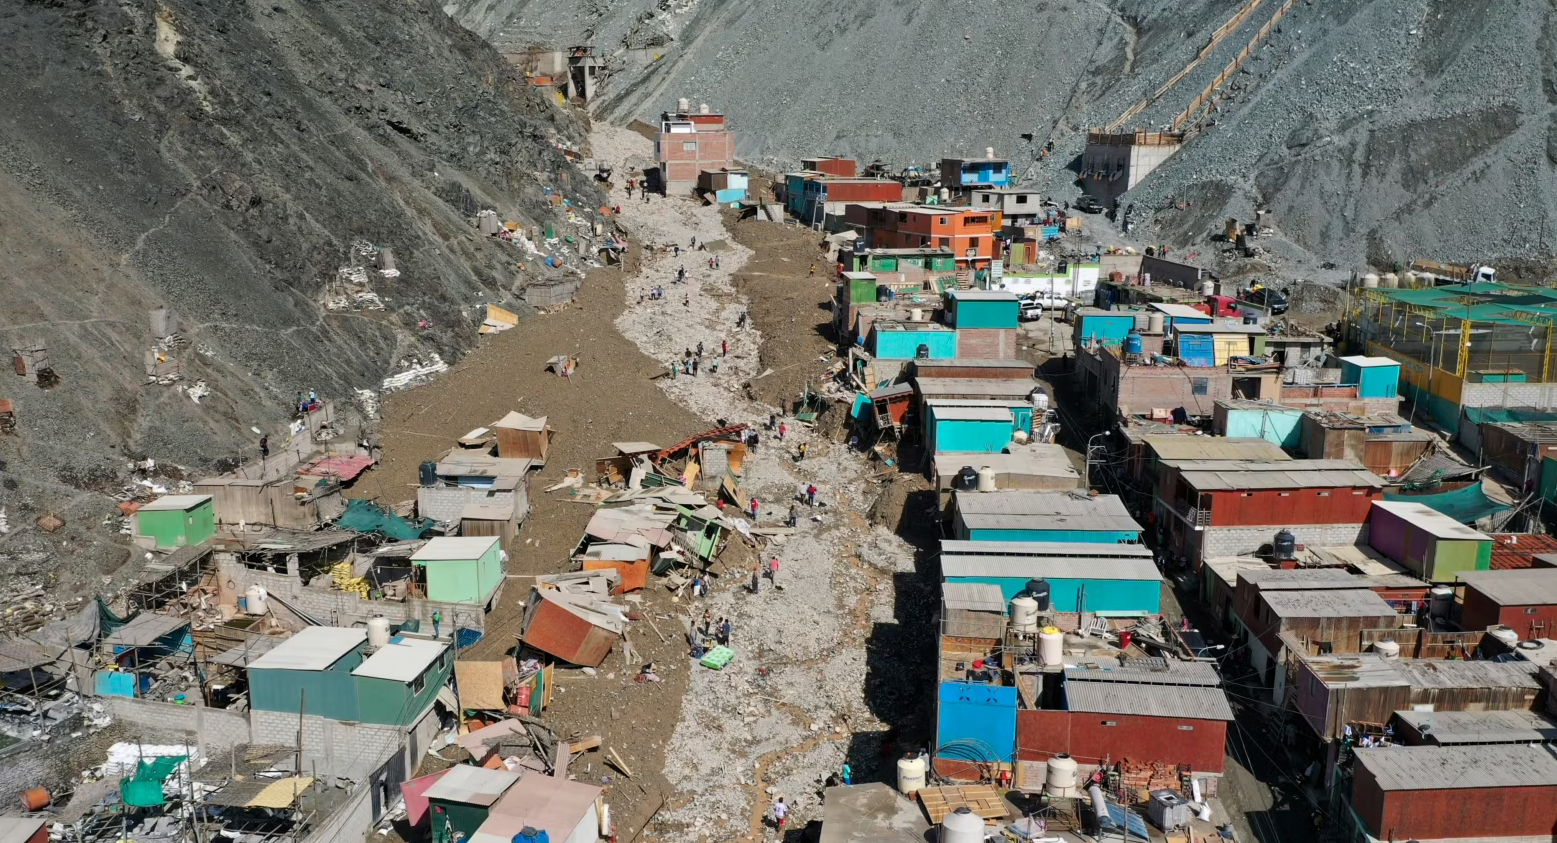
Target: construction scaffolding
(1483, 333)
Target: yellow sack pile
(340, 574)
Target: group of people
(757, 573)
(706, 630)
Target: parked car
(1088, 204)
(1273, 300)
(1029, 312)
(1046, 301)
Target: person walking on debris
(700, 350)
(695, 637)
(694, 366)
(794, 516)
(437, 619)
(697, 586)
(754, 509)
(716, 261)
(724, 631)
(740, 321)
(813, 270)
(724, 348)
(847, 773)
(692, 244)
(710, 263)
(754, 438)
(811, 494)
(686, 300)
(773, 566)
(801, 453)
(783, 429)
(756, 578)
(780, 813)
(264, 447)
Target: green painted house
(1426, 542)
(465, 569)
(312, 668)
(173, 521)
(966, 309)
(397, 683)
(461, 801)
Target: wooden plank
(584, 744)
(618, 763)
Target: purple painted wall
(1387, 533)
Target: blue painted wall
(903, 345)
(1109, 330)
(982, 314)
(794, 193)
(997, 173)
(730, 194)
(983, 713)
(1372, 381)
(1118, 597)
(982, 437)
(1282, 426)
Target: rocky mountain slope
(222, 160)
(1375, 129)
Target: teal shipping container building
(329, 671)
(1376, 377)
(1258, 420)
(982, 309)
(1025, 516)
(901, 340)
(971, 429)
(1114, 587)
(1105, 327)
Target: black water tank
(883, 294)
(1039, 590)
(922, 352)
(1286, 545)
(967, 479)
(428, 473)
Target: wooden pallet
(981, 799)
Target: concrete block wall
(1234, 541)
(445, 503)
(1542, 395)
(216, 729)
(333, 747)
(341, 609)
(351, 822)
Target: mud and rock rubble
(794, 703)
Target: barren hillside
(221, 160)
(1374, 128)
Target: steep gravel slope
(221, 160)
(1375, 129)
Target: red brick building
(1524, 600)
(688, 144)
(1433, 793)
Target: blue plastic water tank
(1132, 343)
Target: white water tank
(1208, 288)
(962, 826)
(1389, 281)
(916, 314)
(378, 632)
(1370, 281)
(683, 104)
(1410, 280)
(256, 598)
(945, 194)
(1040, 402)
(1024, 615)
(1154, 323)
(702, 108)
(1061, 779)
(986, 479)
(1504, 634)
(1051, 646)
(910, 773)
(1440, 600)
(989, 152)
(1387, 649)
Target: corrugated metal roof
(1460, 768)
(312, 648)
(1148, 671)
(1029, 460)
(168, 502)
(975, 597)
(1301, 579)
(1220, 328)
(1045, 550)
(1521, 587)
(1003, 387)
(1430, 520)
(954, 413)
(1185, 702)
(1178, 311)
(1339, 603)
(454, 547)
(1244, 480)
(472, 785)
(1019, 509)
(1180, 447)
(402, 660)
(245, 654)
(1478, 727)
(19, 829)
(1018, 567)
(145, 630)
(1439, 673)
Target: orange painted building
(968, 232)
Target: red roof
(1518, 550)
(346, 468)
